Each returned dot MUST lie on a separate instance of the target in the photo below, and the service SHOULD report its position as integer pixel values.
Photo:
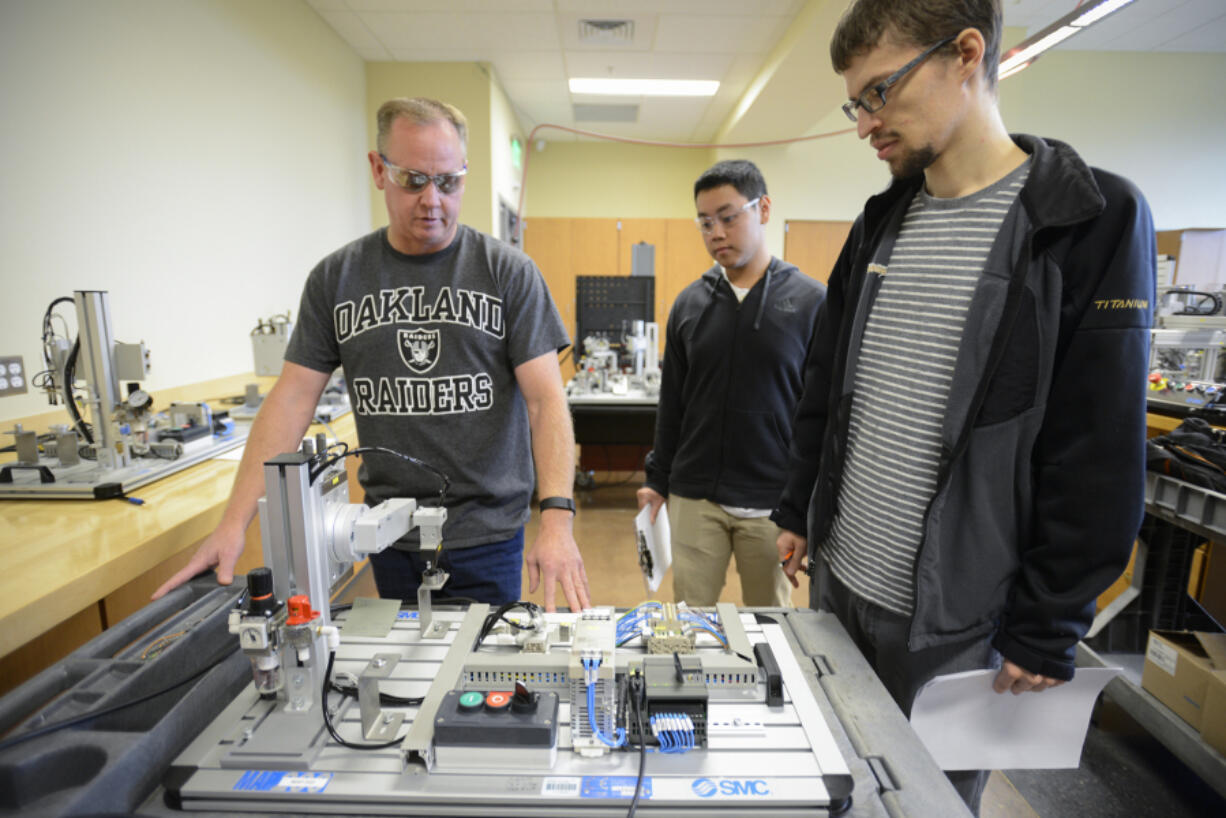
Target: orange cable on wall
(523, 180)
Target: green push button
(471, 700)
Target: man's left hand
(555, 558)
(1019, 680)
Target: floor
(1123, 770)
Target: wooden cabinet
(566, 248)
(814, 246)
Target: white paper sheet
(968, 726)
(654, 545)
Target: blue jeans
(881, 636)
(490, 573)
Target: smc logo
(706, 788)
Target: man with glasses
(449, 341)
(968, 464)
(733, 364)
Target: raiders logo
(418, 348)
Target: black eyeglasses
(873, 99)
(415, 181)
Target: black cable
(70, 373)
(635, 684)
(323, 693)
(454, 600)
(500, 613)
(105, 711)
(384, 698)
(384, 450)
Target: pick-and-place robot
(503, 711)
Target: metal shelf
(1199, 510)
(1160, 721)
(1202, 512)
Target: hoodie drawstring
(766, 288)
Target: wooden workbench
(74, 567)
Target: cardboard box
(1180, 672)
(1212, 595)
(1213, 720)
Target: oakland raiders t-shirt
(429, 345)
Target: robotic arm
(312, 535)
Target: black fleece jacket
(1041, 486)
(732, 375)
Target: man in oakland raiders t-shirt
(449, 342)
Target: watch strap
(558, 502)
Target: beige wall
(612, 180)
(1152, 117)
(466, 85)
(196, 178)
(1144, 116)
(506, 177)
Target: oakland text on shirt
(447, 395)
(410, 305)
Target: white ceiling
(533, 46)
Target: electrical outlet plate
(13, 380)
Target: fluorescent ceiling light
(1100, 11)
(1038, 47)
(643, 88)
(1025, 52)
(1009, 72)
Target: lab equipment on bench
(124, 444)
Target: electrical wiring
(220, 657)
(635, 684)
(70, 372)
(323, 693)
(351, 690)
(618, 739)
(329, 461)
(499, 614)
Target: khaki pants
(705, 537)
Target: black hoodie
(733, 372)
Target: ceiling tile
(462, 30)
(438, 55)
(648, 66)
(644, 32)
(533, 46)
(353, 31)
(529, 65)
(418, 6)
(534, 91)
(1206, 38)
(719, 35)
(625, 8)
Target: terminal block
(674, 686)
(669, 634)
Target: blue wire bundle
(619, 734)
(674, 731)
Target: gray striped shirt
(902, 384)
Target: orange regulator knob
(300, 611)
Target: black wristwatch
(558, 502)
